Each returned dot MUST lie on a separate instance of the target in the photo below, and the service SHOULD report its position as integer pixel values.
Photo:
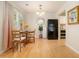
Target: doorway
(52, 29)
(41, 28)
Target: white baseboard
(2, 51)
(72, 48)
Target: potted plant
(41, 30)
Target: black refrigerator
(52, 29)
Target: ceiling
(33, 6)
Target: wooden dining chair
(31, 36)
(17, 39)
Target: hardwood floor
(43, 48)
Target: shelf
(62, 38)
(62, 31)
(63, 34)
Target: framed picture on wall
(73, 15)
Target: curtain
(7, 29)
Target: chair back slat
(16, 34)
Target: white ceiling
(48, 6)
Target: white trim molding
(72, 48)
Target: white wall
(1, 25)
(72, 31)
(32, 19)
(62, 20)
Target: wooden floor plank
(43, 48)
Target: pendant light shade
(40, 12)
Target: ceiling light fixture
(40, 12)
(27, 4)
